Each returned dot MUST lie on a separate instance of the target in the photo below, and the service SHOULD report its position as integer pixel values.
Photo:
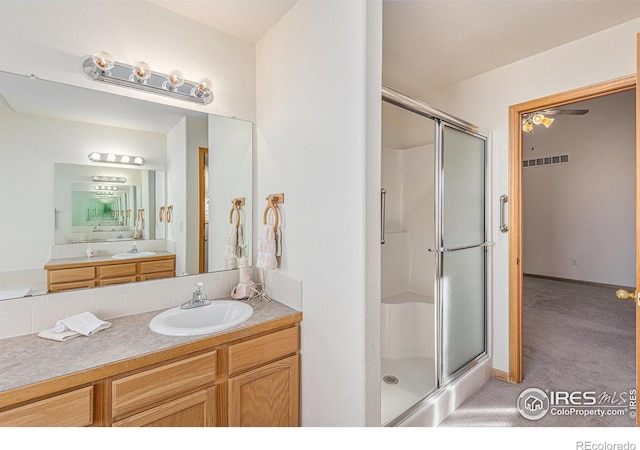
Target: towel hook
(272, 201)
(236, 203)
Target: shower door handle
(503, 201)
(383, 204)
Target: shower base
(415, 379)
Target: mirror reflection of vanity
(51, 209)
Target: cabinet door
(267, 396)
(195, 410)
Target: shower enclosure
(434, 259)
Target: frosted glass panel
(463, 308)
(463, 203)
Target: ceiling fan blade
(572, 112)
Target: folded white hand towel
(84, 323)
(52, 334)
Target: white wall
(408, 177)
(485, 100)
(584, 210)
(52, 39)
(312, 92)
(177, 193)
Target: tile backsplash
(33, 314)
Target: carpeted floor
(575, 338)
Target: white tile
(145, 286)
(110, 291)
(160, 299)
(47, 316)
(61, 298)
(136, 303)
(15, 323)
(181, 294)
(110, 307)
(294, 299)
(17, 304)
(78, 307)
(233, 274)
(222, 288)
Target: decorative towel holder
(272, 201)
(169, 213)
(236, 203)
(161, 214)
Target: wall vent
(546, 161)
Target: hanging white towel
(230, 256)
(267, 248)
(84, 323)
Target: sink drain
(390, 379)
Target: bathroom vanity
(128, 375)
(76, 273)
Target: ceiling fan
(542, 117)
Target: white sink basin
(119, 239)
(127, 255)
(217, 316)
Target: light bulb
(95, 156)
(124, 159)
(203, 88)
(175, 78)
(111, 157)
(138, 161)
(141, 71)
(103, 60)
(527, 127)
(547, 121)
(537, 118)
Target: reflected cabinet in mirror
(60, 206)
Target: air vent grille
(546, 161)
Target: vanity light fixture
(102, 67)
(117, 159)
(105, 188)
(103, 179)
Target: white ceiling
(428, 44)
(248, 20)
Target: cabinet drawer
(69, 275)
(157, 275)
(154, 385)
(73, 409)
(157, 266)
(262, 350)
(73, 285)
(119, 280)
(116, 270)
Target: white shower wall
(408, 177)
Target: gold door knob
(626, 295)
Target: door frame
(202, 167)
(515, 199)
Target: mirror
(51, 209)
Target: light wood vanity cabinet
(69, 409)
(249, 381)
(90, 272)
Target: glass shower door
(462, 250)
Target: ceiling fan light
(538, 118)
(527, 127)
(547, 121)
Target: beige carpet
(575, 338)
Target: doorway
(516, 241)
(203, 202)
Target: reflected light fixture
(105, 179)
(102, 67)
(537, 118)
(116, 159)
(105, 188)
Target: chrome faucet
(134, 249)
(199, 297)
